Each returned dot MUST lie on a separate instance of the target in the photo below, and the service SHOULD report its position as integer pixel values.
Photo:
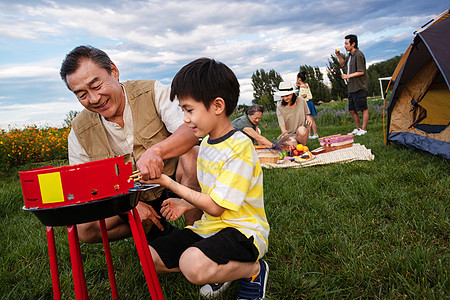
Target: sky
(154, 39)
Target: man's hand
(258, 137)
(150, 165)
(173, 208)
(352, 75)
(340, 58)
(148, 216)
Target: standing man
(134, 119)
(355, 64)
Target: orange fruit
(305, 149)
(299, 147)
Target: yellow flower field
(32, 144)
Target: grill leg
(53, 263)
(79, 281)
(145, 255)
(108, 258)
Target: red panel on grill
(54, 187)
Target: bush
(337, 113)
(32, 144)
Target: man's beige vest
(148, 129)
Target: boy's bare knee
(194, 266)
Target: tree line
(265, 83)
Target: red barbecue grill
(70, 195)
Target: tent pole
(446, 11)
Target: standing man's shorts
(357, 101)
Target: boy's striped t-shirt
(228, 170)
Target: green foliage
(69, 117)
(314, 78)
(241, 108)
(265, 101)
(264, 84)
(380, 70)
(32, 144)
(337, 113)
(334, 72)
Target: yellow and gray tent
(419, 109)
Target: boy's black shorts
(228, 244)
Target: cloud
(44, 73)
(154, 39)
(49, 115)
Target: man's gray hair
(254, 108)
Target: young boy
(232, 235)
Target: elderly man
(134, 119)
(248, 125)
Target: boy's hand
(163, 180)
(173, 208)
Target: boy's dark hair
(254, 108)
(204, 80)
(352, 38)
(293, 100)
(302, 75)
(72, 61)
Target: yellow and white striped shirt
(228, 170)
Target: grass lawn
(376, 229)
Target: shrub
(337, 113)
(32, 144)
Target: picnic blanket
(356, 152)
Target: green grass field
(377, 229)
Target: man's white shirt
(121, 139)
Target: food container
(334, 142)
(268, 156)
(80, 193)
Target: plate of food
(299, 154)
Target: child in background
(305, 92)
(229, 241)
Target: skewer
(136, 176)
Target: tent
(418, 115)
